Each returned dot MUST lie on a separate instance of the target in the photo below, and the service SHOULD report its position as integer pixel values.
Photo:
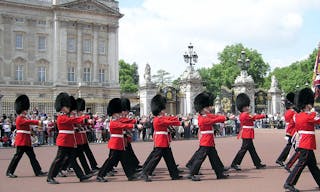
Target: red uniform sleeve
(120, 125)
(73, 120)
(167, 121)
(212, 119)
(258, 116)
(26, 122)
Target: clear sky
(158, 31)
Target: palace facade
(53, 46)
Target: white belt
(117, 135)
(66, 131)
(287, 123)
(161, 133)
(247, 127)
(306, 132)
(23, 131)
(206, 132)
(82, 132)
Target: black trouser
(130, 157)
(293, 159)
(200, 156)
(247, 144)
(195, 155)
(89, 154)
(306, 158)
(82, 159)
(114, 157)
(158, 153)
(149, 158)
(16, 158)
(65, 155)
(285, 152)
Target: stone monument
(274, 104)
(147, 90)
(190, 87)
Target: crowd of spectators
(98, 132)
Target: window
(19, 73)
(102, 47)
(42, 22)
(19, 41)
(19, 20)
(86, 75)
(101, 75)
(71, 74)
(41, 74)
(42, 43)
(87, 46)
(71, 44)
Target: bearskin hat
(22, 103)
(158, 103)
(125, 104)
(73, 103)
(289, 100)
(202, 100)
(304, 97)
(81, 104)
(114, 106)
(62, 100)
(242, 100)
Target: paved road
(268, 143)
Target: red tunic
(305, 125)
(23, 136)
(128, 138)
(160, 124)
(205, 123)
(247, 124)
(66, 136)
(288, 117)
(116, 127)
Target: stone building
(50, 46)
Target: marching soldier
(207, 146)
(81, 106)
(305, 122)
(131, 156)
(161, 140)
(23, 138)
(66, 139)
(246, 133)
(116, 143)
(288, 116)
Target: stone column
(56, 50)
(113, 55)
(95, 54)
(79, 53)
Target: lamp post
(243, 61)
(191, 56)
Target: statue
(147, 73)
(274, 81)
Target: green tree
(162, 78)
(297, 74)
(226, 71)
(128, 76)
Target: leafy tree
(162, 78)
(129, 77)
(297, 74)
(226, 71)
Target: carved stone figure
(147, 73)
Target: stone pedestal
(274, 104)
(146, 91)
(191, 86)
(245, 84)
